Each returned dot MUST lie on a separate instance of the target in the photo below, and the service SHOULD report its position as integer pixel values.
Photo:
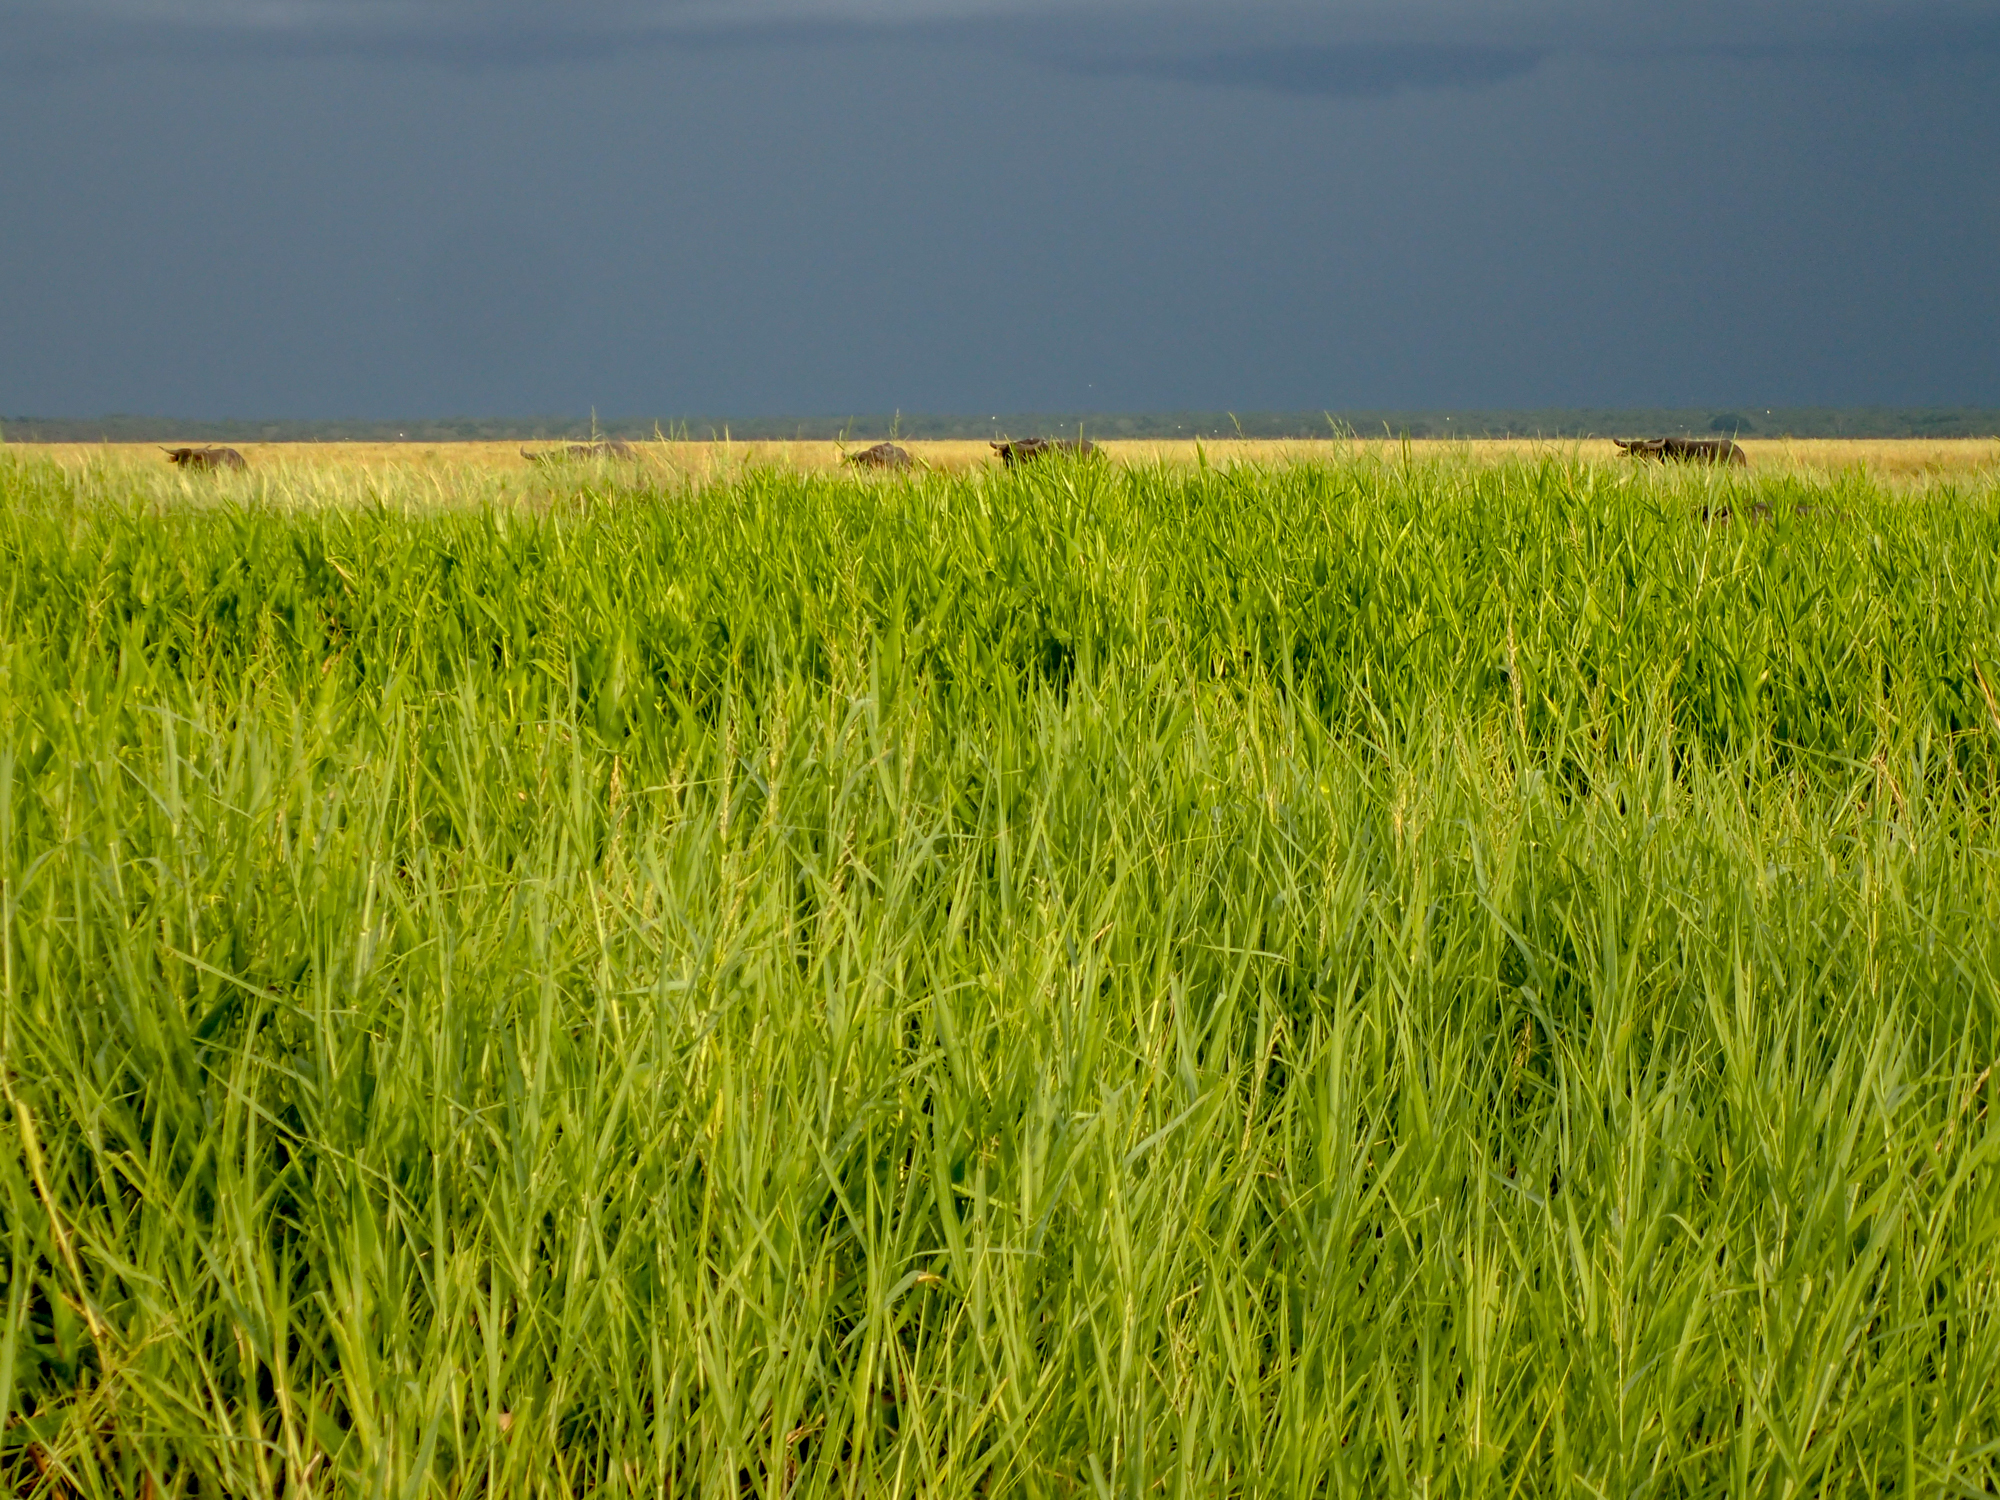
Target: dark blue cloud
(452, 36)
(1420, 47)
(1363, 70)
(1268, 45)
(388, 209)
(1907, 38)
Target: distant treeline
(1784, 421)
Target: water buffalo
(882, 456)
(1763, 510)
(205, 458)
(1687, 450)
(599, 448)
(1021, 450)
(1760, 510)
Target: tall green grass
(1361, 979)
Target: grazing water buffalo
(601, 448)
(1024, 449)
(1763, 510)
(205, 458)
(1688, 450)
(882, 456)
(1760, 510)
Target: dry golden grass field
(1900, 461)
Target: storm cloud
(1352, 50)
(362, 207)
(1352, 71)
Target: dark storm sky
(244, 208)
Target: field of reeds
(483, 471)
(1383, 975)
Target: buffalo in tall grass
(881, 456)
(1684, 450)
(1023, 450)
(205, 458)
(581, 452)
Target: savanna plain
(1371, 969)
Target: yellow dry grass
(1904, 461)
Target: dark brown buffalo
(1762, 510)
(1687, 450)
(1021, 450)
(205, 458)
(882, 456)
(569, 452)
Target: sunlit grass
(475, 469)
(1389, 976)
